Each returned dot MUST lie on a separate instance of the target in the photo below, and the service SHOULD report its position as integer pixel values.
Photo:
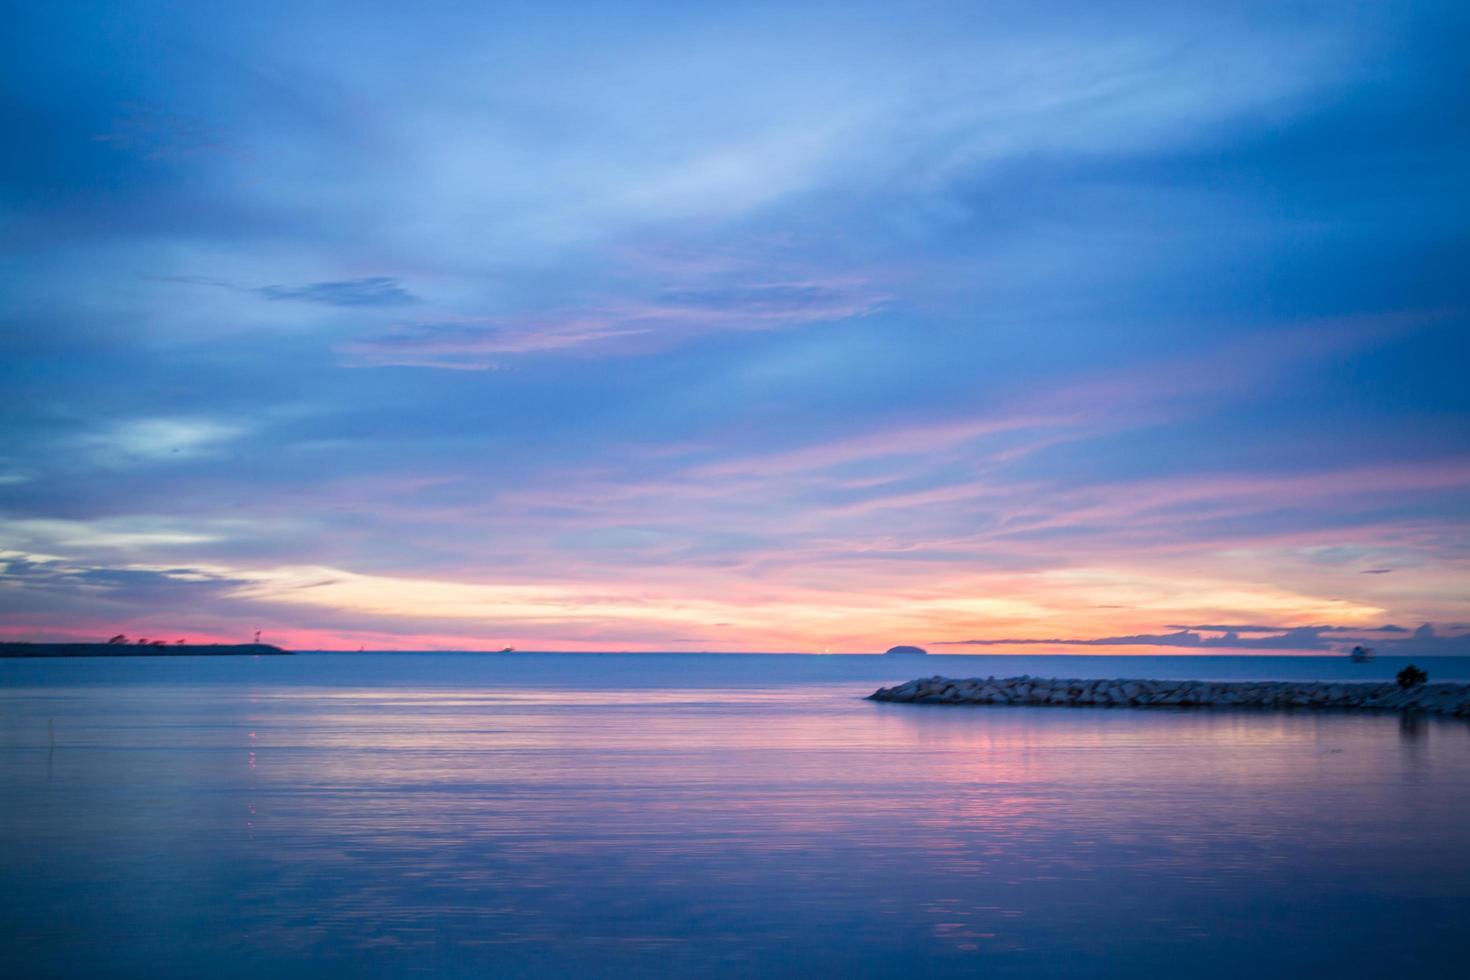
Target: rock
(1449, 700)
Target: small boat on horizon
(1361, 655)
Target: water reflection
(731, 830)
(1412, 727)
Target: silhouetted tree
(120, 638)
(1411, 676)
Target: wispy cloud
(665, 319)
(368, 291)
(153, 133)
(152, 440)
(1422, 642)
(42, 534)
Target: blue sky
(769, 327)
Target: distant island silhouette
(141, 650)
(905, 651)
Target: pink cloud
(469, 341)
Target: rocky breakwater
(1433, 699)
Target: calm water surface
(544, 815)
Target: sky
(764, 327)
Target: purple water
(712, 815)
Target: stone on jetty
(1432, 699)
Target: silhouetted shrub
(1411, 676)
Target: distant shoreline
(46, 650)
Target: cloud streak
(666, 319)
(1422, 642)
(369, 291)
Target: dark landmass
(904, 651)
(1434, 699)
(141, 650)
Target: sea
(714, 815)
